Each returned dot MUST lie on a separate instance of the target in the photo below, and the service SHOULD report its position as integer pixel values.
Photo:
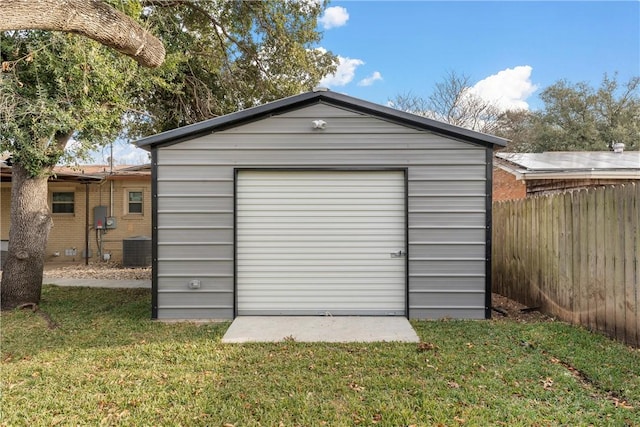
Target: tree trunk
(91, 18)
(28, 234)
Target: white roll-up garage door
(320, 242)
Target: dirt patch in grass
(105, 270)
(508, 309)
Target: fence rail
(576, 255)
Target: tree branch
(91, 18)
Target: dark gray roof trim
(175, 136)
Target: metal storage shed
(321, 204)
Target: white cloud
(508, 89)
(131, 155)
(335, 16)
(344, 73)
(123, 154)
(368, 81)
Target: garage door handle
(398, 254)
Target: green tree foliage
(221, 56)
(55, 87)
(578, 117)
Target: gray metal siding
(447, 238)
(320, 158)
(446, 203)
(195, 241)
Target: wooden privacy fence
(576, 255)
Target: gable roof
(175, 136)
(571, 165)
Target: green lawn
(108, 364)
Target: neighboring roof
(571, 165)
(88, 169)
(106, 171)
(137, 168)
(60, 176)
(308, 98)
(84, 173)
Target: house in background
(506, 186)
(118, 207)
(520, 175)
(321, 204)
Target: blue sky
(511, 50)
(408, 46)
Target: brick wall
(506, 187)
(67, 237)
(551, 186)
(68, 230)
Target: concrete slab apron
(319, 329)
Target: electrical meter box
(99, 217)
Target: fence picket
(600, 309)
(574, 220)
(583, 236)
(619, 306)
(592, 242)
(632, 263)
(609, 266)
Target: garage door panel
(279, 286)
(320, 241)
(371, 196)
(298, 278)
(274, 257)
(323, 217)
(299, 272)
(302, 219)
(330, 296)
(340, 306)
(341, 234)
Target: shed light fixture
(319, 124)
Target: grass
(107, 364)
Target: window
(62, 202)
(135, 202)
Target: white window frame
(52, 203)
(127, 201)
